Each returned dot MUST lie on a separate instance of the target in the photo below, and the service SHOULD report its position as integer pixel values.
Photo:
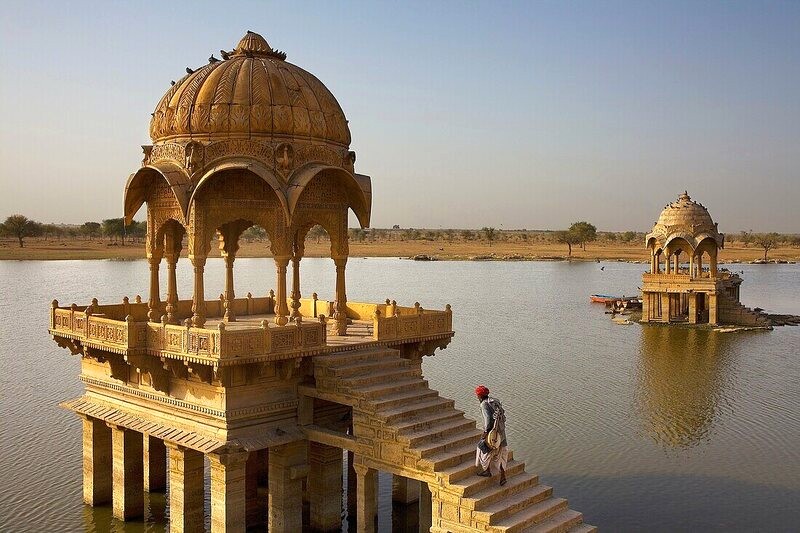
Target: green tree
(114, 228)
(746, 237)
(767, 241)
(317, 233)
(567, 237)
(490, 234)
(357, 234)
(90, 229)
(137, 230)
(21, 227)
(254, 233)
(467, 235)
(584, 232)
(629, 236)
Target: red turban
(481, 391)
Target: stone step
(583, 528)
(426, 420)
(344, 358)
(389, 388)
(492, 492)
(411, 410)
(562, 522)
(381, 375)
(463, 479)
(368, 366)
(513, 503)
(399, 399)
(449, 442)
(527, 517)
(453, 457)
(437, 431)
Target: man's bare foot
(502, 476)
(485, 473)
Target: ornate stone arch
(683, 238)
(357, 187)
(250, 165)
(143, 186)
(231, 194)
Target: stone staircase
(733, 312)
(422, 436)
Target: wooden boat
(607, 299)
(603, 298)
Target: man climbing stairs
(404, 427)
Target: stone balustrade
(411, 322)
(102, 327)
(124, 328)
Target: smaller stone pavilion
(684, 283)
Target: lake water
(640, 427)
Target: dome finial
(685, 197)
(253, 44)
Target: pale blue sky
(529, 114)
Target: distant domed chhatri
(252, 91)
(685, 219)
(684, 283)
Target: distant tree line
(578, 234)
(21, 227)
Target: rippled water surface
(641, 427)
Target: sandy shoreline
(40, 249)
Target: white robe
(493, 460)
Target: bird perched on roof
(224, 54)
(172, 82)
(212, 59)
(189, 71)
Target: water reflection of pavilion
(681, 378)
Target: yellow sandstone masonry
(679, 288)
(270, 387)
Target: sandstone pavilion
(268, 390)
(684, 283)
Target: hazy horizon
(529, 115)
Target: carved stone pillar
(691, 265)
(677, 262)
(155, 464)
(287, 467)
(340, 309)
(297, 256)
(97, 469)
(281, 309)
(230, 313)
(172, 289)
(692, 308)
(185, 490)
(325, 487)
(154, 304)
(228, 503)
(198, 298)
(712, 309)
(425, 507)
(128, 497)
(366, 498)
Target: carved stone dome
(251, 92)
(686, 219)
(686, 212)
